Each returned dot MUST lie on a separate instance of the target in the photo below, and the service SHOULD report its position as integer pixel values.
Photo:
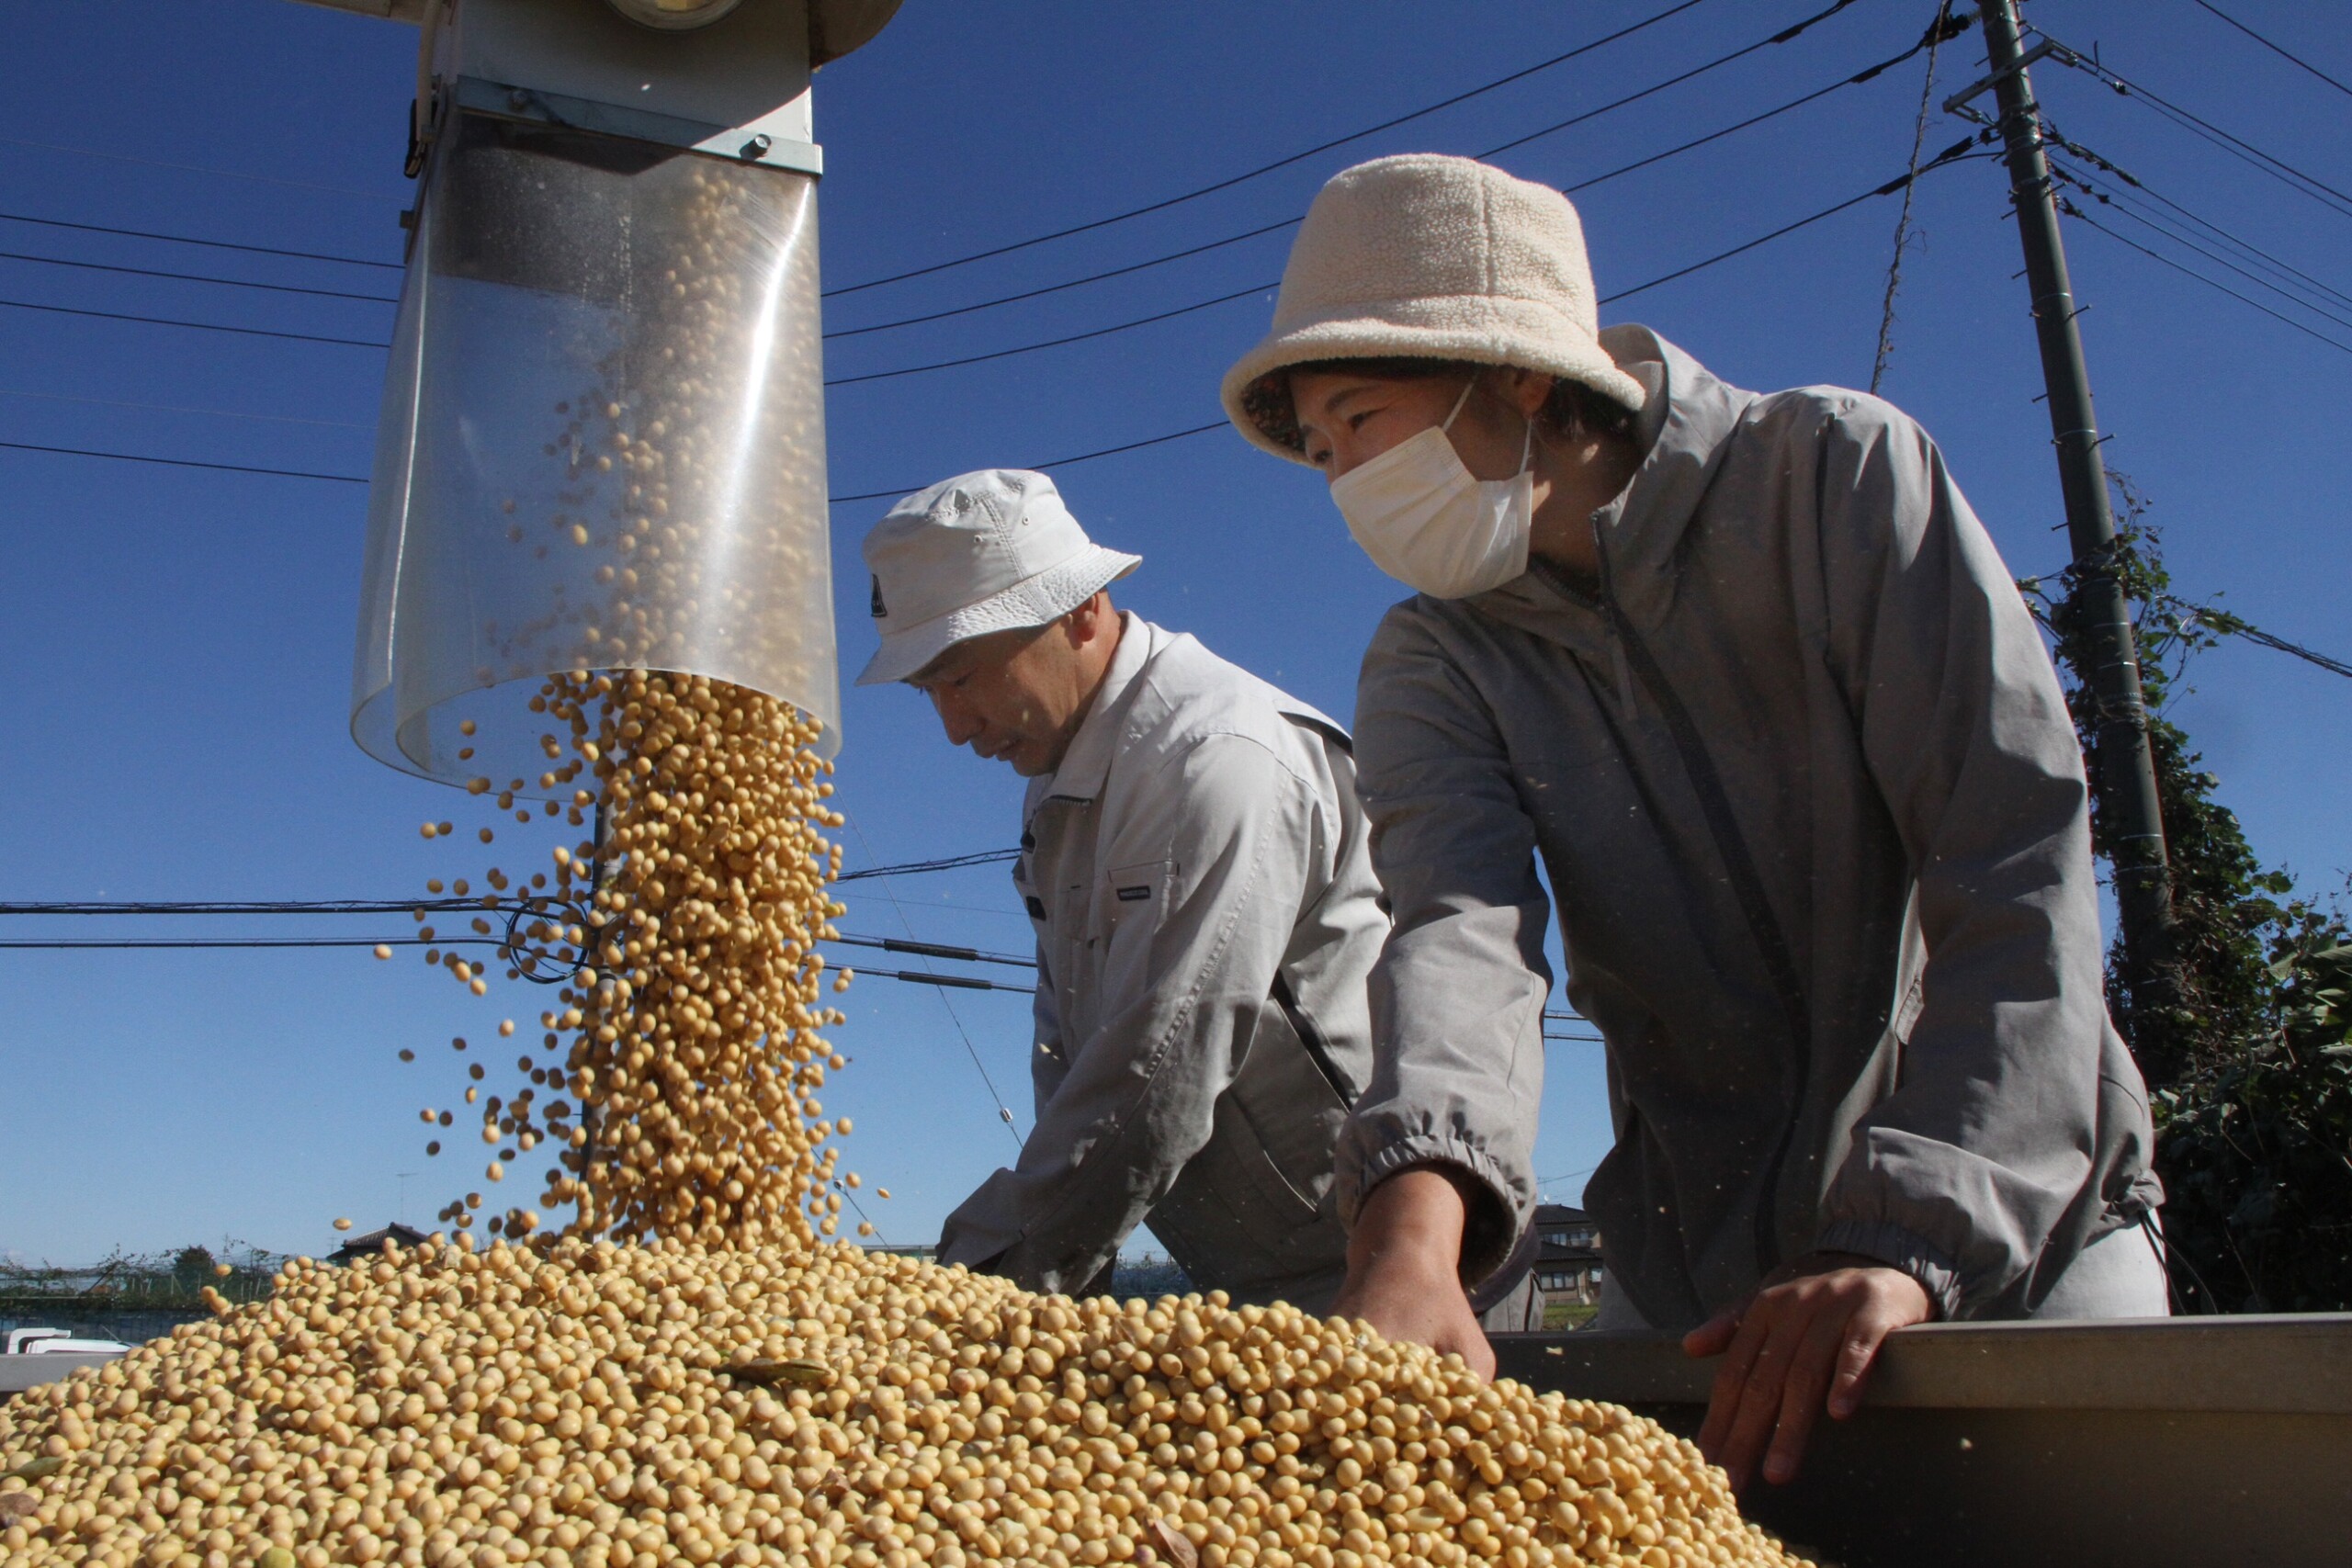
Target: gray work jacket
(1206, 916)
(1808, 799)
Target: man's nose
(961, 726)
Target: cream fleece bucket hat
(1428, 258)
(982, 552)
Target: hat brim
(1522, 334)
(1035, 601)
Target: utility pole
(2129, 807)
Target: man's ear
(1087, 622)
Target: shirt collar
(1684, 429)
(1088, 760)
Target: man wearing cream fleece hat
(1194, 859)
(1746, 674)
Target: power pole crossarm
(2128, 805)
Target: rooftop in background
(1565, 1234)
(367, 1246)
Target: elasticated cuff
(1899, 1248)
(1490, 1229)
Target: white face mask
(1426, 521)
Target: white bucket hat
(1425, 256)
(982, 552)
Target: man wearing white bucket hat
(1746, 674)
(1194, 859)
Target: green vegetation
(163, 1282)
(2250, 1059)
(1560, 1317)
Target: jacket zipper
(1632, 657)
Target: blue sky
(181, 639)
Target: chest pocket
(1134, 898)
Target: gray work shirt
(1808, 798)
(1206, 916)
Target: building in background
(1568, 1258)
(372, 1244)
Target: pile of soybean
(616, 1405)
(685, 1371)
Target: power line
(192, 240)
(1283, 162)
(140, 907)
(1865, 74)
(1002, 1110)
(535, 907)
(180, 462)
(1783, 36)
(951, 863)
(175, 408)
(2256, 635)
(1556, 1017)
(201, 326)
(1901, 182)
(937, 950)
(60, 944)
(960, 983)
(2074, 211)
(2278, 265)
(1058, 287)
(2238, 147)
(190, 168)
(198, 278)
(1950, 154)
(1056, 463)
(2221, 621)
(2286, 54)
(2192, 242)
(1544, 1181)
(1048, 342)
(2232, 626)
(361, 480)
(216, 943)
(842, 1188)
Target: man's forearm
(1416, 1216)
(1404, 1263)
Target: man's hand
(1403, 1258)
(1808, 1335)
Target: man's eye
(1356, 421)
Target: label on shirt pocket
(1135, 893)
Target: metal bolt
(757, 147)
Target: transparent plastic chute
(603, 444)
